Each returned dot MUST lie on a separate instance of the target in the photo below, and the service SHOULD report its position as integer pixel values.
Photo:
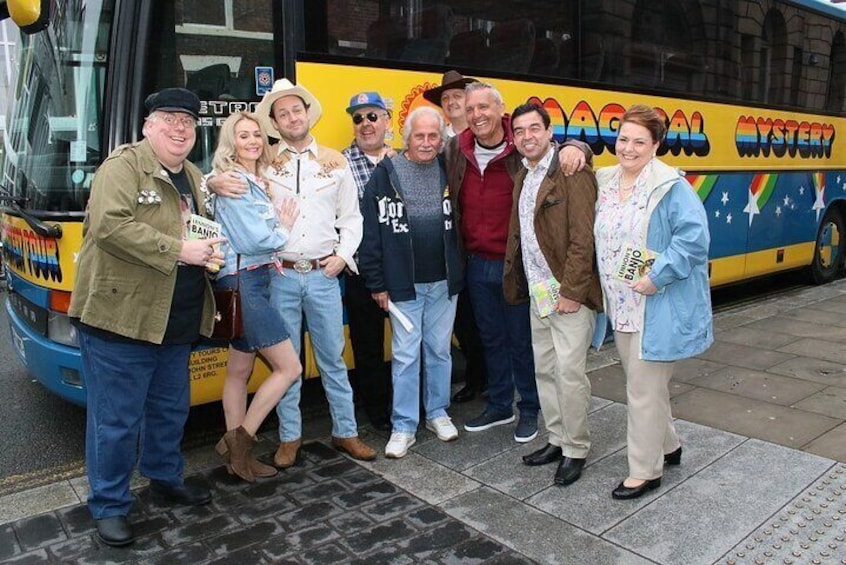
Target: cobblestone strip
(325, 510)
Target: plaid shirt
(361, 166)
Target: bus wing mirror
(31, 16)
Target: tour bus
(753, 91)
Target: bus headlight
(60, 329)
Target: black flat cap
(173, 100)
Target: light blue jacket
(677, 320)
(251, 228)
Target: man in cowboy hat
(450, 97)
(322, 244)
(372, 384)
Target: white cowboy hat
(284, 87)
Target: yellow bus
(754, 93)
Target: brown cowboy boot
(260, 470)
(286, 455)
(240, 444)
(354, 447)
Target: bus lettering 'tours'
(762, 136)
(32, 254)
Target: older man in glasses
(372, 383)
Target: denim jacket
(251, 228)
(677, 319)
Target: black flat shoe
(673, 458)
(115, 531)
(569, 471)
(189, 495)
(623, 492)
(466, 394)
(546, 454)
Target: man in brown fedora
(450, 97)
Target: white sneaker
(398, 445)
(443, 428)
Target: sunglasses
(371, 117)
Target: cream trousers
(650, 433)
(560, 343)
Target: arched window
(773, 72)
(836, 95)
(666, 44)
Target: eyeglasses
(172, 119)
(371, 117)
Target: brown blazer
(564, 215)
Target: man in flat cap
(141, 299)
(372, 384)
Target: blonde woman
(255, 230)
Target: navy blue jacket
(386, 256)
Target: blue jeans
(319, 298)
(507, 338)
(432, 312)
(138, 400)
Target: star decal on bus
(760, 190)
(752, 207)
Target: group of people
(481, 226)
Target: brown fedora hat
(451, 79)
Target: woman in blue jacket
(652, 251)
(254, 231)
(410, 256)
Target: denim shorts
(263, 324)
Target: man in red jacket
(481, 163)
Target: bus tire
(829, 248)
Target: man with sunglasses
(372, 383)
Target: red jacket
(482, 203)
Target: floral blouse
(619, 225)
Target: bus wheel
(828, 254)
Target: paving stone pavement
(325, 510)
(762, 419)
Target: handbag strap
(237, 271)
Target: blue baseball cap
(364, 100)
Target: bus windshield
(54, 121)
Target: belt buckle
(303, 266)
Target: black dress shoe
(546, 454)
(673, 458)
(466, 394)
(115, 531)
(622, 492)
(189, 495)
(569, 471)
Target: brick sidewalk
(325, 510)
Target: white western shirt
(329, 219)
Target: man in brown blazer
(549, 260)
